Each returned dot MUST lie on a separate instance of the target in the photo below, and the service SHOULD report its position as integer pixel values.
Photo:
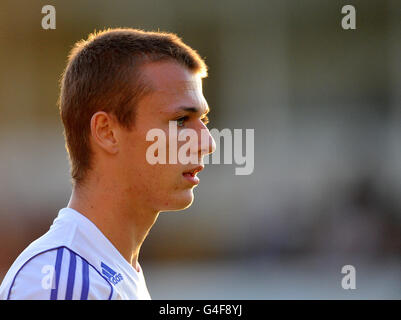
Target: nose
(207, 143)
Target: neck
(125, 224)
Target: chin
(180, 202)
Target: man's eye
(181, 121)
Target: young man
(118, 85)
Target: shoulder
(59, 274)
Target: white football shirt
(73, 261)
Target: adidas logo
(110, 274)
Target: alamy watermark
(188, 152)
(349, 280)
(49, 20)
(48, 278)
(349, 20)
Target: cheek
(134, 148)
(141, 172)
(165, 175)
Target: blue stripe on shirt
(71, 276)
(59, 259)
(85, 280)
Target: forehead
(173, 86)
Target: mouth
(190, 174)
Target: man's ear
(103, 127)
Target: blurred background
(325, 104)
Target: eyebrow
(193, 109)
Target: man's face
(177, 96)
